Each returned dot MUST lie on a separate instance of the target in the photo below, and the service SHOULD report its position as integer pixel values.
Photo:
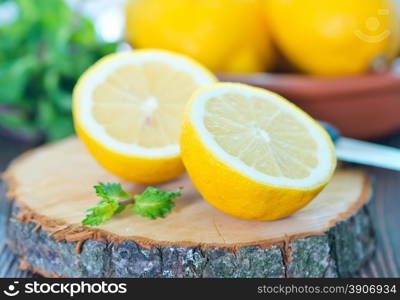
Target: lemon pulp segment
(261, 135)
(142, 105)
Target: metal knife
(364, 153)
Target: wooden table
(385, 209)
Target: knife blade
(366, 153)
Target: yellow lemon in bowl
(224, 35)
(335, 37)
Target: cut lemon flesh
(255, 138)
(131, 104)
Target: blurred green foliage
(42, 54)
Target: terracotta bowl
(364, 107)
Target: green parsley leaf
(153, 202)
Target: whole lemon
(335, 37)
(224, 35)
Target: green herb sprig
(43, 53)
(152, 203)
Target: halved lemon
(253, 154)
(128, 111)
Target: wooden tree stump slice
(51, 187)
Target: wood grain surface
(385, 210)
(46, 182)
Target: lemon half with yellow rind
(253, 154)
(128, 111)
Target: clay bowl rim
(311, 89)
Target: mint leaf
(110, 194)
(43, 52)
(111, 191)
(154, 203)
(100, 213)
